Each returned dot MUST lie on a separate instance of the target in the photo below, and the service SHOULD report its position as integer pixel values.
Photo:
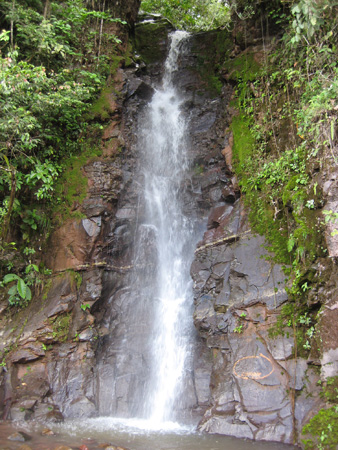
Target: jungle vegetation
(52, 67)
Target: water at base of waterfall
(98, 433)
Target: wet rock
(19, 413)
(47, 432)
(48, 412)
(229, 194)
(151, 41)
(113, 447)
(86, 335)
(202, 375)
(54, 416)
(25, 355)
(92, 226)
(296, 368)
(19, 436)
(280, 348)
(203, 123)
(62, 447)
(136, 86)
(28, 403)
(218, 215)
(237, 291)
(125, 213)
(224, 425)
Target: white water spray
(164, 163)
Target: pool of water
(97, 433)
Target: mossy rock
(101, 109)
(244, 67)
(150, 39)
(60, 325)
(211, 48)
(323, 429)
(72, 187)
(244, 142)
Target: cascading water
(164, 163)
(145, 366)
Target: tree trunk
(46, 12)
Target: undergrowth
(284, 134)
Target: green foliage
(330, 390)
(19, 291)
(310, 19)
(191, 15)
(324, 430)
(52, 66)
(60, 325)
(37, 112)
(286, 131)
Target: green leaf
(28, 293)
(10, 277)
(291, 243)
(295, 9)
(22, 288)
(13, 291)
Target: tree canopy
(192, 15)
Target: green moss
(212, 51)
(247, 164)
(46, 289)
(60, 325)
(323, 428)
(244, 68)
(148, 39)
(330, 391)
(71, 188)
(128, 56)
(244, 143)
(75, 278)
(101, 109)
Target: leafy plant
(85, 306)
(19, 291)
(239, 329)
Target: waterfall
(164, 164)
(145, 364)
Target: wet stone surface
(238, 295)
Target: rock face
(239, 293)
(126, 9)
